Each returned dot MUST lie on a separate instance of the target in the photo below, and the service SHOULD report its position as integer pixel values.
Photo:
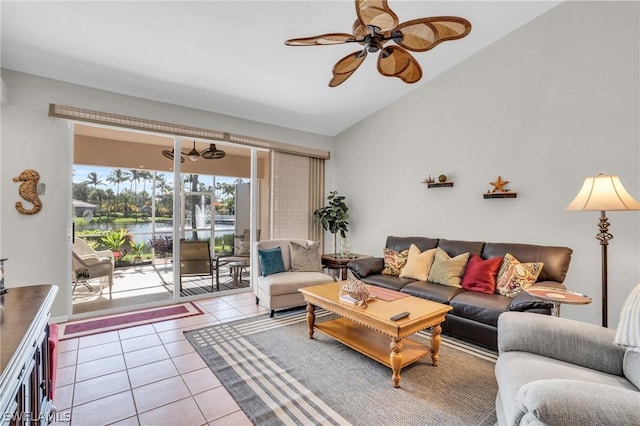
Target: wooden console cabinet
(25, 376)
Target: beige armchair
(89, 264)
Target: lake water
(143, 231)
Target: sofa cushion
(418, 263)
(305, 258)
(290, 281)
(480, 275)
(432, 291)
(457, 247)
(271, 261)
(387, 281)
(556, 260)
(446, 270)
(481, 307)
(403, 243)
(515, 276)
(394, 261)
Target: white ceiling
(229, 57)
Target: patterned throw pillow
(513, 276)
(480, 274)
(446, 270)
(418, 263)
(394, 261)
(243, 249)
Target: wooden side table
(557, 297)
(338, 262)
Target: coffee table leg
(395, 360)
(435, 344)
(311, 318)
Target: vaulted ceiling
(229, 57)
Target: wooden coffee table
(370, 331)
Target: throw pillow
(513, 276)
(418, 263)
(243, 249)
(305, 258)
(446, 270)
(271, 261)
(480, 274)
(394, 261)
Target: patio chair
(195, 259)
(241, 255)
(91, 265)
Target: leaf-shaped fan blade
(359, 30)
(399, 63)
(423, 34)
(346, 66)
(377, 13)
(321, 40)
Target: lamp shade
(603, 193)
(628, 331)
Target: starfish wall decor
(499, 190)
(499, 185)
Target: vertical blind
(297, 189)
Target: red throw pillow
(480, 275)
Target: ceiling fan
(376, 25)
(211, 153)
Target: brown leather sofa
(475, 315)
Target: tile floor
(148, 375)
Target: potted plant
(114, 240)
(137, 250)
(334, 217)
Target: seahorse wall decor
(28, 190)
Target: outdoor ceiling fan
(211, 153)
(376, 25)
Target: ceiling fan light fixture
(170, 155)
(193, 154)
(377, 24)
(213, 153)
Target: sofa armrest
(576, 402)
(576, 342)
(523, 301)
(366, 266)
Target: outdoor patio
(148, 283)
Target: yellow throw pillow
(446, 270)
(418, 264)
(513, 276)
(394, 261)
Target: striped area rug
(278, 376)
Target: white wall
(548, 105)
(38, 246)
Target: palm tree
(92, 179)
(145, 176)
(117, 177)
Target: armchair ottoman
(279, 290)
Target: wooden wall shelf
(440, 185)
(501, 195)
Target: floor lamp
(603, 193)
